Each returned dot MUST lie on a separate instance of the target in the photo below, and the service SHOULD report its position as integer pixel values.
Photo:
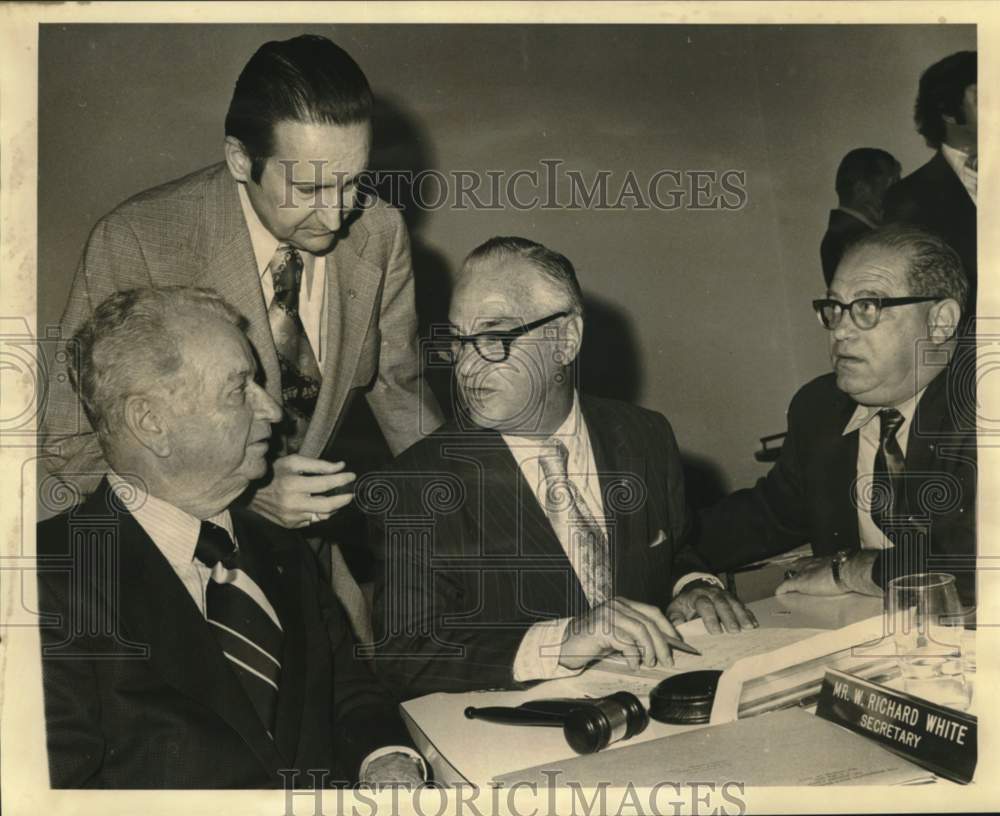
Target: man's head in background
(166, 377)
(906, 289)
(298, 136)
(947, 106)
(863, 176)
(517, 324)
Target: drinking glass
(927, 626)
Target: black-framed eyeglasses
(492, 346)
(865, 312)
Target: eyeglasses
(492, 346)
(865, 312)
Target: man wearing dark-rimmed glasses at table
(878, 469)
(542, 529)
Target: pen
(681, 646)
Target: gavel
(589, 724)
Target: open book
(763, 669)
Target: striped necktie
(300, 374)
(249, 637)
(887, 499)
(567, 509)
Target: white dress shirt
(175, 534)
(312, 294)
(864, 219)
(956, 160)
(866, 424)
(538, 655)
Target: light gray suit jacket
(192, 232)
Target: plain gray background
(703, 315)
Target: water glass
(927, 623)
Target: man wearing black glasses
(541, 529)
(878, 470)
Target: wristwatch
(836, 562)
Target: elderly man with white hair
(189, 643)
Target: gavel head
(597, 723)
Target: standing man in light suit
(322, 274)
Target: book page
(717, 652)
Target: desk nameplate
(940, 739)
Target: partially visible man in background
(323, 278)
(191, 644)
(941, 195)
(863, 176)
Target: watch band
(836, 562)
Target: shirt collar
(864, 219)
(956, 159)
(864, 414)
(264, 244)
(568, 431)
(174, 531)
(572, 433)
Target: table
(462, 750)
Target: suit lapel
(842, 523)
(230, 267)
(511, 505)
(352, 285)
(952, 189)
(156, 610)
(278, 576)
(833, 469)
(923, 462)
(223, 250)
(615, 467)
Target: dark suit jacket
(468, 560)
(933, 197)
(840, 232)
(137, 691)
(808, 495)
(192, 232)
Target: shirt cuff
(538, 655)
(691, 577)
(392, 749)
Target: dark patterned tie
(248, 636)
(886, 482)
(300, 374)
(565, 506)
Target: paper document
(783, 748)
(717, 652)
(805, 662)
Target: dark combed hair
(941, 92)
(128, 345)
(934, 268)
(555, 267)
(304, 79)
(865, 165)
